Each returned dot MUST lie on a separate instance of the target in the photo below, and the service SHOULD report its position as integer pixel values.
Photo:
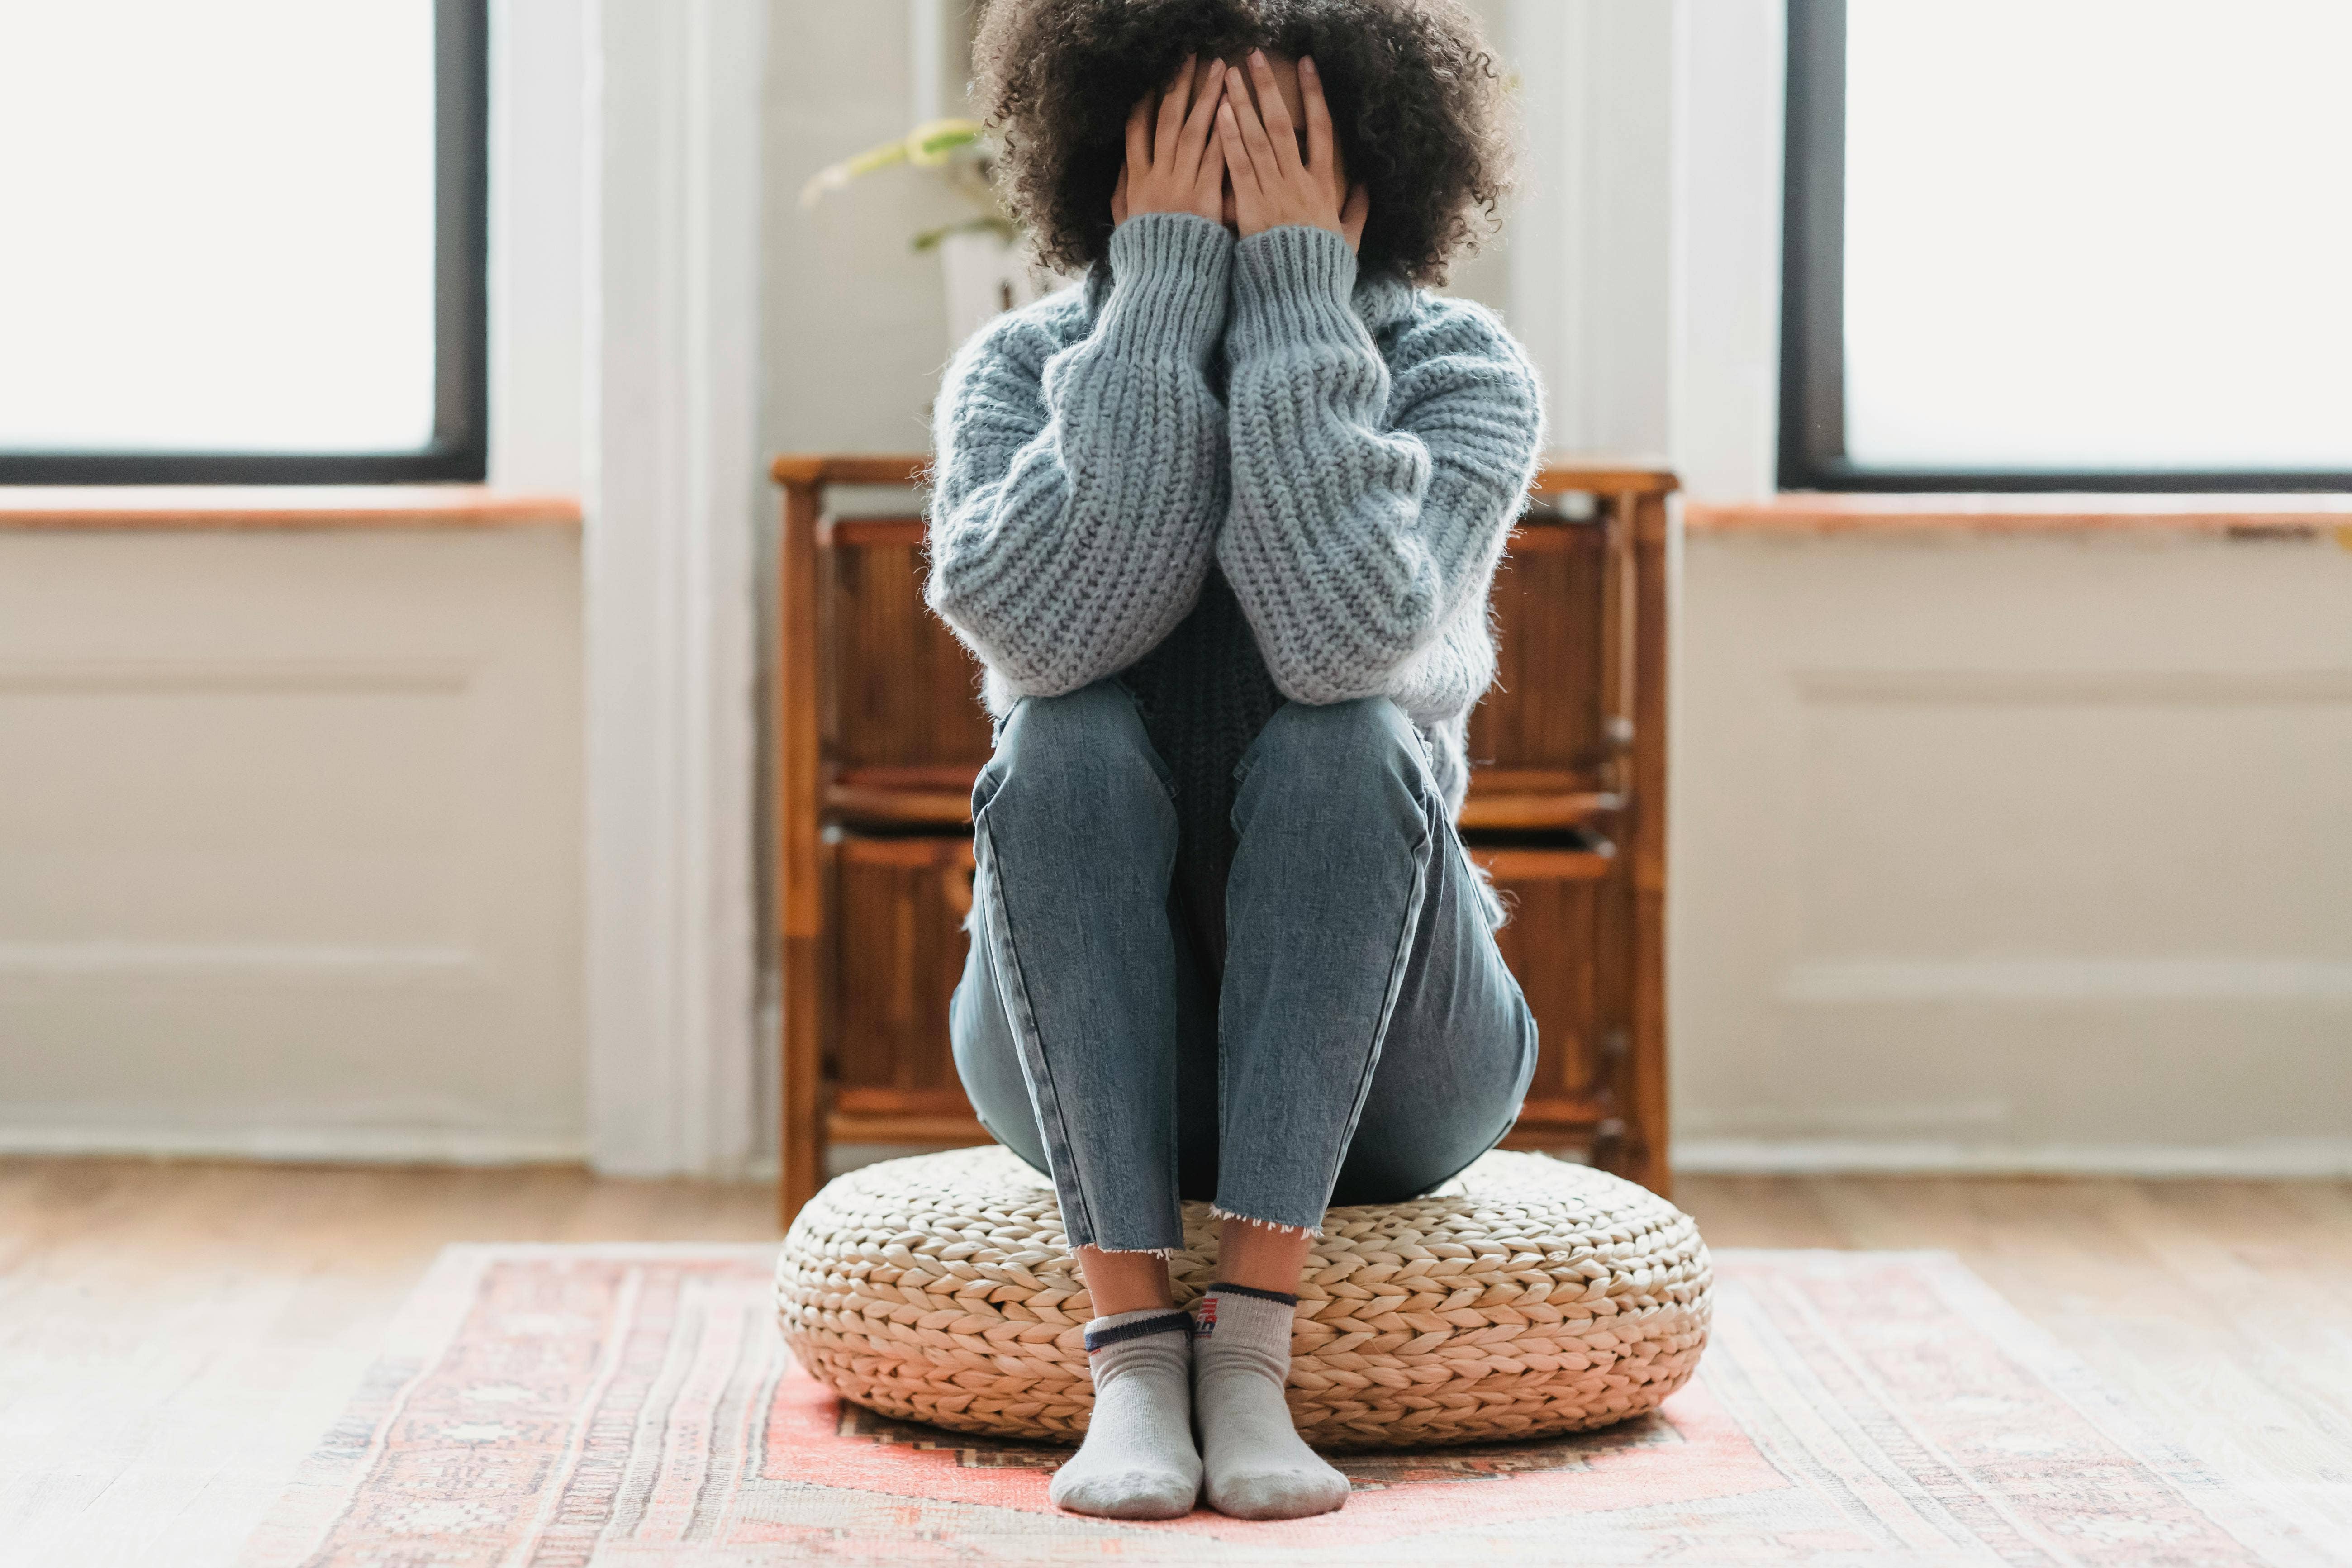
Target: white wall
(2014, 854)
(289, 855)
(854, 324)
(1591, 288)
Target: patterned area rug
(593, 1406)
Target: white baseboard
(387, 1146)
(2280, 1159)
(2286, 1159)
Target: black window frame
(1812, 311)
(459, 447)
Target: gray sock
(1137, 1461)
(1257, 1465)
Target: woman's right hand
(1174, 164)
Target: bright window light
(219, 226)
(2099, 235)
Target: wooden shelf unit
(879, 733)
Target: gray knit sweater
(1345, 453)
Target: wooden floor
(174, 1337)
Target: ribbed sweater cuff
(1294, 284)
(1170, 276)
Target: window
(2067, 245)
(245, 241)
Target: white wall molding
(333, 963)
(302, 1137)
(673, 495)
(188, 676)
(2009, 687)
(2317, 1159)
(2038, 981)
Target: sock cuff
(1221, 1288)
(1261, 1318)
(1103, 1332)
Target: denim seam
(1414, 907)
(1520, 1097)
(1159, 768)
(1024, 1019)
(1166, 775)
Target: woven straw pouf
(1525, 1297)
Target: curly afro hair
(1418, 104)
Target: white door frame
(673, 494)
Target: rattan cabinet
(878, 734)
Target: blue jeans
(1362, 1039)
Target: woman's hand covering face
(1272, 183)
(1173, 162)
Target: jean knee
(1083, 750)
(1324, 748)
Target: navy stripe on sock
(1165, 1323)
(1223, 1289)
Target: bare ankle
(1262, 1256)
(1124, 1281)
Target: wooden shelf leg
(1647, 1111)
(800, 922)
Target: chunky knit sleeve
(1370, 496)
(1077, 486)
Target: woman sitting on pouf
(1221, 525)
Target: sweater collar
(1382, 299)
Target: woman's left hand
(1273, 186)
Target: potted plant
(980, 258)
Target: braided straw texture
(1525, 1297)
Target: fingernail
(1307, 64)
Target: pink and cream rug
(594, 1406)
